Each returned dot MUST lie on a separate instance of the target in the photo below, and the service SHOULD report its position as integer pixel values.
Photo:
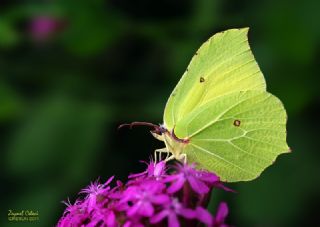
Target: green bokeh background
(62, 98)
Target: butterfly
(220, 115)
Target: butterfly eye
(202, 79)
(162, 129)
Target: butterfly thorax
(173, 144)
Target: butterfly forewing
(222, 65)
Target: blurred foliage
(66, 84)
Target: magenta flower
(204, 216)
(73, 215)
(156, 170)
(94, 192)
(72, 208)
(171, 211)
(42, 28)
(156, 197)
(133, 223)
(221, 215)
(106, 216)
(142, 197)
(198, 180)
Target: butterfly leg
(159, 151)
(168, 155)
(169, 158)
(183, 157)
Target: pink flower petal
(111, 219)
(146, 209)
(187, 213)
(176, 185)
(198, 186)
(160, 199)
(222, 212)
(204, 216)
(173, 220)
(158, 217)
(133, 210)
(159, 169)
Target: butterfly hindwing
(237, 135)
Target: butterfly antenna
(139, 123)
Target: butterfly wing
(224, 64)
(236, 135)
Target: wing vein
(219, 157)
(260, 141)
(219, 116)
(240, 149)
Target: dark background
(71, 71)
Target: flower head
(95, 193)
(155, 197)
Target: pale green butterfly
(220, 115)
